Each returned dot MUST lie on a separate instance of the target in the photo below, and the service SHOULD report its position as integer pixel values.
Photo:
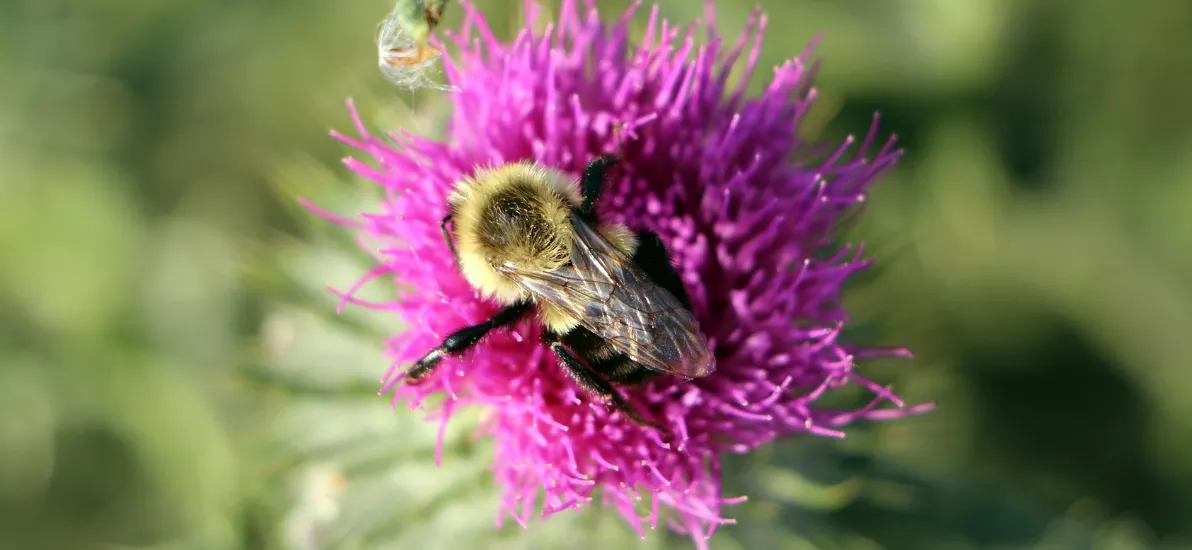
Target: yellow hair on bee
(519, 215)
(620, 236)
(516, 215)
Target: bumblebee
(613, 308)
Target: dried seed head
(404, 53)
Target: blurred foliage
(172, 375)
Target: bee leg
(462, 339)
(594, 385)
(447, 236)
(593, 181)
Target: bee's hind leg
(593, 384)
(462, 339)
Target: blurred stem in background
(163, 386)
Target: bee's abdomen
(588, 345)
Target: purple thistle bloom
(709, 170)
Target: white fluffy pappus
(404, 55)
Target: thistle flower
(709, 170)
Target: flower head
(708, 169)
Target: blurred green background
(171, 376)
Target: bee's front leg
(592, 182)
(463, 339)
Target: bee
(403, 54)
(612, 306)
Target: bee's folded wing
(614, 299)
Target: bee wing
(614, 299)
